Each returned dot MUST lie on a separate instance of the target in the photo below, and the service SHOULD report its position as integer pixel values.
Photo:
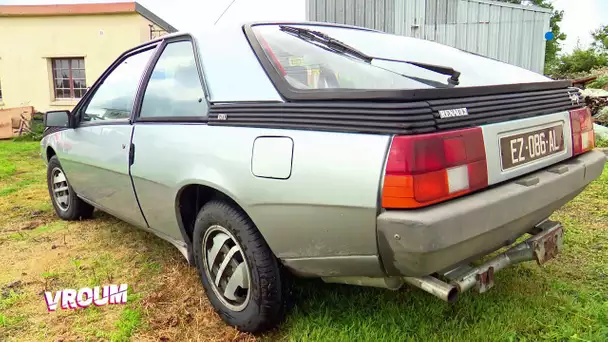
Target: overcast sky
(580, 18)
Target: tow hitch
(545, 243)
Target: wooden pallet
(15, 121)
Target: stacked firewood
(596, 104)
(597, 100)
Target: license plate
(527, 147)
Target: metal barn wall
(374, 14)
(503, 31)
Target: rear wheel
(67, 205)
(242, 278)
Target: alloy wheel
(226, 268)
(61, 191)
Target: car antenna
(224, 12)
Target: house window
(0, 92)
(68, 78)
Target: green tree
(580, 61)
(600, 38)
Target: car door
(97, 162)
(173, 112)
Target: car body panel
(232, 71)
(306, 215)
(95, 160)
(440, 236)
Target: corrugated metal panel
(494, 32)
(483, 37)
(526, 42)
(409, 18)
(376, 14)
(461, 26)
(507, 32)
(359, 12)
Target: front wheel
(242, 278)
(67, 205)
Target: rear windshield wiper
(337, 46)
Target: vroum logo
(452, 113)
(84, 297)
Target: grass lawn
(565, 300)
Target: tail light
(583, 137)
(430, 168)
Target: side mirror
(57, 118)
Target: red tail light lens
(430, 168)
(583, 137)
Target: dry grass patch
(41, 253)
(179, 311)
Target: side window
(113, 99)
(175, 88)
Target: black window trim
(86, 99)
(292, 94)
(203, 118)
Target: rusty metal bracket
(544, 245)
(548, 245)
(485, 280)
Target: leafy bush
(578, 64)
(599, 83)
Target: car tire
(68, 206)
(226, 238)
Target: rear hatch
(522, 131)
(484, 140)
(486, 123)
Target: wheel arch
(189, 200)
(50, 152)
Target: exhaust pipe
(543, 246)
(545, 243)
(434, 286)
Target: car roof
(231, 69)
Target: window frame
(86, 99)
(148, 74)
(158, 45)
(72, 92)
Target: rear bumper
(424, 241)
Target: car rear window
(308, 66)
(304, 70)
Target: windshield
(305, 65)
